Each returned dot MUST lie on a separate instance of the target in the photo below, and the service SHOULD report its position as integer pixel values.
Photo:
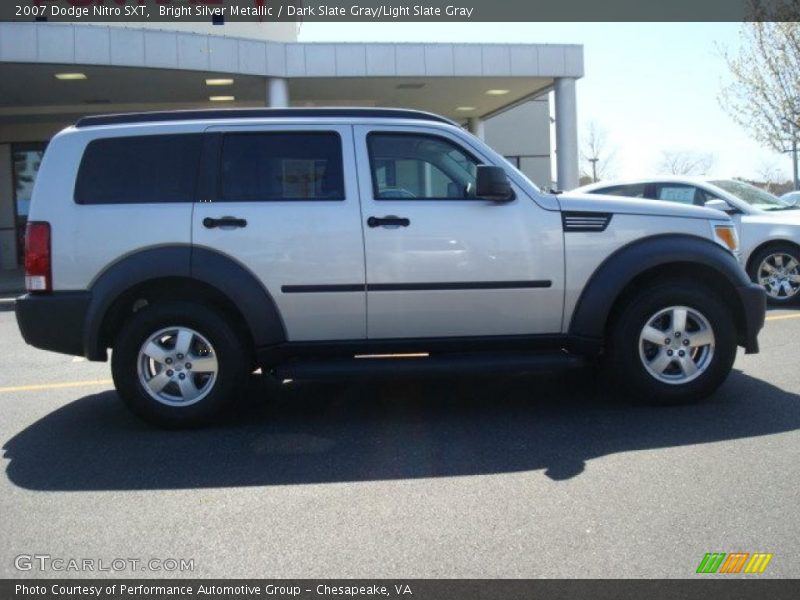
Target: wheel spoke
(791, 265)
(768, 268)
(158, 382)
(653, 335)
(188, 388)
(704, 337)
(778, 258)
(156, 352)
(204, 364)
(687, 365)
(660, 363)
(183, 341)
(771, 289)
(679, 319)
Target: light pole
(594, 169)
(793, 131)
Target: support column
(476, 127)
(277, 92)
(8, 228)
(566, 133)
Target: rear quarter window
(140, 169)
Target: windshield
(755, 197)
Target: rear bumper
(54, 321)
(754, 308)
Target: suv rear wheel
(673, 343)
(178, 364)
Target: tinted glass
(282, 166)
(420, 167)
(635, 190)
(126, 170)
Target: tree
(686, 163)
(598, 159)
(770, 174)
(764, 96)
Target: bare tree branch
(686, 163)
(764, 96)
(598, 161)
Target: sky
(652, 87)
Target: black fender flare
(221, 272)
(617, 271)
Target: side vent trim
(576, 222)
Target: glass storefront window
(26, 159)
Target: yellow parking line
(54, 386)
(781, 317)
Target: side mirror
(492, 183)
(718, 204)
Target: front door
(285, 205)
(441, 262)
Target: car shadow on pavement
(363, 431)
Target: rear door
(284, 203)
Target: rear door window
(282, 166)
(141, 169)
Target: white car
(768, 226)
(201, 245)
(791, 198)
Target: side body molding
(220, 272)
(618, 270)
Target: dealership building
(53, 73)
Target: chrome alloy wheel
(177, 366)
(676, 345)
(779, 275)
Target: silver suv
(202, 245)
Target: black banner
(412, 589)
(339, 11)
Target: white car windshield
(755, 197)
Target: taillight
(38, 275)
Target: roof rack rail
(257, 113)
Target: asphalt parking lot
(546, 476)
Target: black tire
(233, 362)
(758, 258)
(623, 351)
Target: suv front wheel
(178, 364)
(673, 343)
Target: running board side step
(384, 366)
